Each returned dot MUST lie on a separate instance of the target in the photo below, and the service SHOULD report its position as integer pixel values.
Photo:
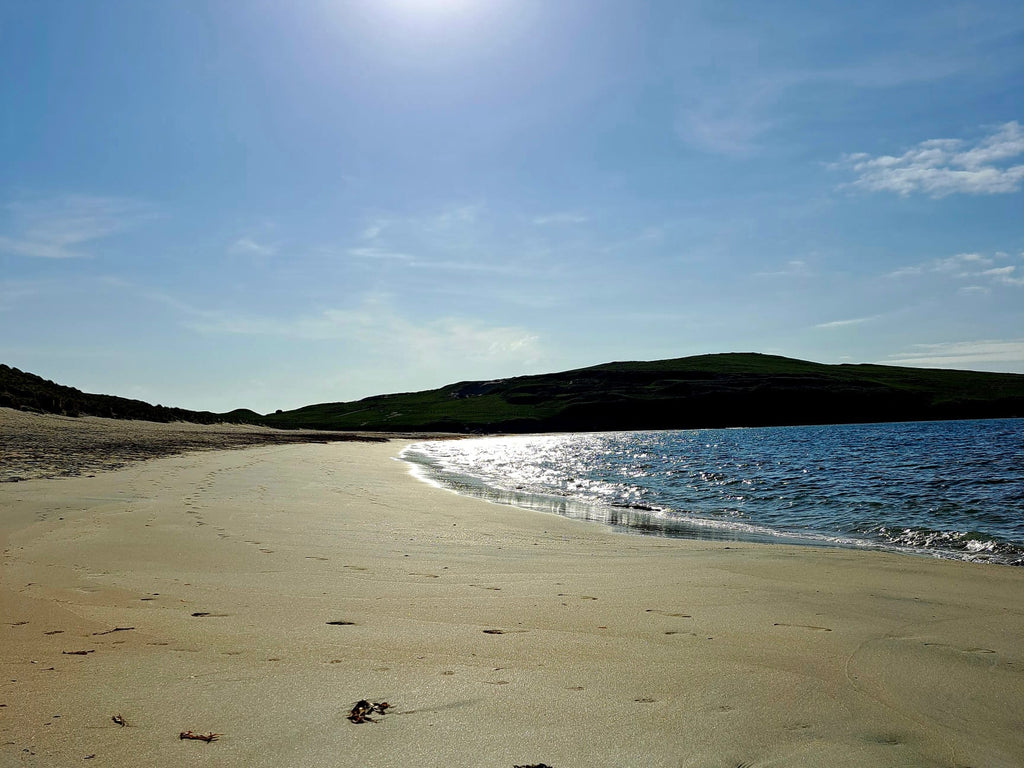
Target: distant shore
(260, 593)
(38, 446)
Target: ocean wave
(813, 485)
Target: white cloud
(962, 354)
(735, 90)
(975, 267)
(378, 254)
(1009, 275)
(60, 227)
(373, 253)
(962, 264)
(845, 323)
(564, 217)
(16, 293)
(382, 331)
(374, 229)
(247, 246)
(452, 217)
(941, 167)
(731, 122)
(906, 272)
(792, 268)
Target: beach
(258, 593)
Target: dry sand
(34, 446)
(202, 586)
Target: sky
(244, 203)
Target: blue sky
(266, 205)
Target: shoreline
(44, 446)
(500, 636)
(993, 541)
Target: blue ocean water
(948, 489)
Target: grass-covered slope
(29, 392)
(704, 391)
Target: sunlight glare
(433, 7)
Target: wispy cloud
(384, 331)
(16, 293)
(846, 323)
(792, 268)
(730, 103)
(373, 253)
(248, 246)
(563, 217)
(978, 268)
(451, 217)
(378, 254)
(468, 266)
(966, 354)
(733, 117)
(942, 167)
(64, 227)
(454, 238)
(731, 120)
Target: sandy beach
(259, 593)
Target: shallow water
(948, 489)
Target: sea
(952, 489)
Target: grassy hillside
(704, 391)
(29, 392)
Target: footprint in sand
(959, 650)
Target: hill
(725, 390)
(28, 392)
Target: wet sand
(259, 593)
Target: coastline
(499, 636)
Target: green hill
(727, 390)
(705, 391)
(29, 392)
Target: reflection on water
(953, 489)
